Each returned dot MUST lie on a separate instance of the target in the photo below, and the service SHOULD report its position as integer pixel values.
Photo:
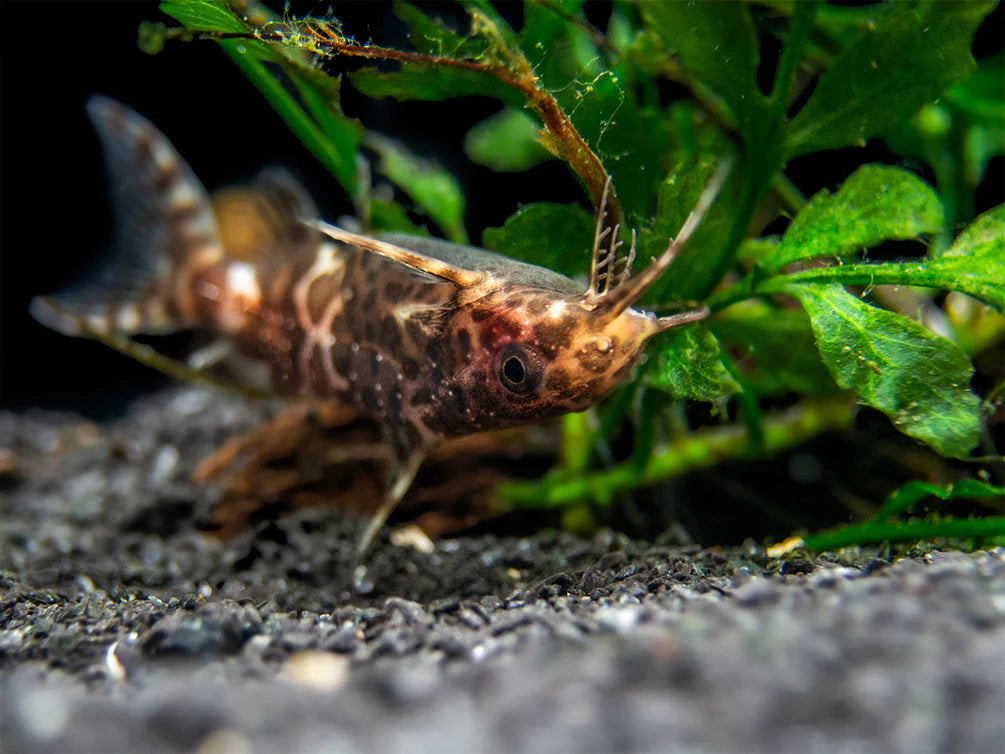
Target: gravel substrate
(122, 628)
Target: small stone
(414, 537)
(224, 741)
(320, 671)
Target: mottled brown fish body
(431, 339)
(566, 358)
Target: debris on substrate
(125, 628)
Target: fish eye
(519, 368)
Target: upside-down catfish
(431, 339)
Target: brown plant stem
(559, 130)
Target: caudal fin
(163, 223)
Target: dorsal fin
(266, 218)
(459, 276)
(163, 221)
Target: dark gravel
(123, 628)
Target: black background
(55, 217)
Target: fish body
(431, 339)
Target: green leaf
(957, 136)
(902, 499)
(983, 238)
(757, 250)
(491, 25)
(506, 142)
(875, 204)
(841, 24)
(331, 137)
(689, 365)
(632, 142)
(428, 82)
(433, 38)
(560, 52)
(981, 98)
(918, 379)
(434, 190)
(557, 236)
(437, 81)
(217, 16)
(320, 93)
(717, 44)
(204, 15)
(151, 36)
(676, 198)
(778, 351)
(975, 263)
(336, 153)
(907, 57)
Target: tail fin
(163, 220)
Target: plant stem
(799, 29)
(516, 73)
(919, 275)
(792, 198)
(701, 449)
(766, 147)
(978, 528)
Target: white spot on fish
(242, 282)
(241, 293)
(183, 195)
(163, 155)
(557, 309)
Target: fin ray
(459, 276)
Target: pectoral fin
(401, 474)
